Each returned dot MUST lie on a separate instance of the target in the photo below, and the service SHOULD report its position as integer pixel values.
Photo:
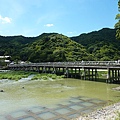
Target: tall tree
(117, 25)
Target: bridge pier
(113, 75)
(66, 72)
(89, 74)
(72, 72)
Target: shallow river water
(20, 95)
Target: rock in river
(1, 90)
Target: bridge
(87, 70)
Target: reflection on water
(19, 95)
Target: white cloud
(5, 20)
(70, 32)
(49, 25)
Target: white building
(4, 60)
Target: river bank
(111, 112)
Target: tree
(117, 25)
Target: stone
(1, 90)
(117, 88)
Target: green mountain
(12, 45)
(101, 44)
(54, 47)
(46, 47)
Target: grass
(46, 77)
(17, 75)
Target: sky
(31, 18)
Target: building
(4, 60)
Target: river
(23, 94)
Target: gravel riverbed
(111, 112)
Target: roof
(4, 56)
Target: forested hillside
(12, 45)
(46, 47)
(102, 44)
(97, 45)
(54, 47)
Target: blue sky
(69, 17)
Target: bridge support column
(44, 69)
(84, 74)
(92, 74)
(39, 69)
(63, 70)
(59, 71)
(113, 76)
(108, 75)
(67, 73)
(96, 74)
(118, 74)
(88, 74)
(71, 72)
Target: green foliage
(54, 47)
(118, 17)
(118, 32)
(14, 75)
(117, 25)
(101, 44)
(46, 77)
